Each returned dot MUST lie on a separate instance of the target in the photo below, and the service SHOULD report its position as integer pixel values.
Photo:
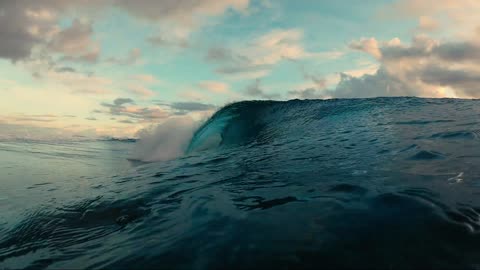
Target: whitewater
(302, 184)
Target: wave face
(353, 183)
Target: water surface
(362, 183)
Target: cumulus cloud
(265, 51)
(76, 43)
(425, 67)
(23, 25)
(377, 85)
(29, 23)
(465, 83)
(368, 45)
(313, 88)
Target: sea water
(355, 183)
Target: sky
(116, 67)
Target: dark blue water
(363, 183)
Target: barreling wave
(233, 124)
(263, 121)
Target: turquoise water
(363, 183)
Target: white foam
(166, 141)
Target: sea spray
(166, 141)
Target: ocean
(334, 184)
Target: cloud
(27, 24)
(184, 108)
(426, 67)
(91, 118)
(219, 54)
(313, 88)
(432, 7)
(92, 91)
(427, 23)
(132, 58)
(22, 27)
(163, 41)
(215, 87)
(457, 51)
(378, 84)
(79, 83)
(464, 82)
(264, 52)
(319, 81)
(76, 43)
(140, 85)
(457, 17)
(255, 90)
(179, 11)
(126, 107)
(192, 95)
(121, 101)
(141, 91)
(191, 106)
(145, 78)
(309, 93)
(126, 122)
(65, 69)
(32, 118)
(368, 45)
